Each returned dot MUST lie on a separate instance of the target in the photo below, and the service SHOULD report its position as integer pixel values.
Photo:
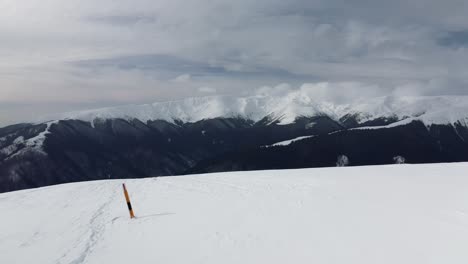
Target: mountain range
(226, 133)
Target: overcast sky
(61, 55)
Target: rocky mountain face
(208, 135)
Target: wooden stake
(127, 198)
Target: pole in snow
(127, 198)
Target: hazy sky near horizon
(68, 55)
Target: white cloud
(182, 78)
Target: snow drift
(391, 214)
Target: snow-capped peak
(285, 109)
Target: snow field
(381, 214)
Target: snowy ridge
(285, 109)
(21, 145)
(362, 215)
(428, 109)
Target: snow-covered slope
(392, 214)
(428, 109)
(285, 109)
(287, 142)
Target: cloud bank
(64, 55)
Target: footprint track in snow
(97, 225)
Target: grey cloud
(168, 66)
(122, 20)
(154, 62)
(130, 51)
(454, 39)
